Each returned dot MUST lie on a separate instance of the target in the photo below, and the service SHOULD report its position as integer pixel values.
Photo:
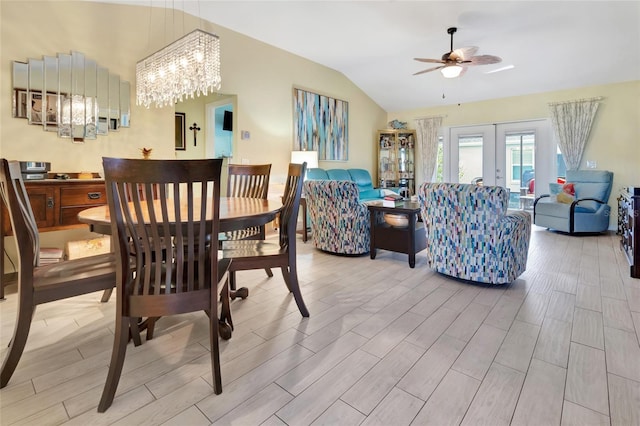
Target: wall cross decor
(195, 129)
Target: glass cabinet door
(387, 164)
(406, 150)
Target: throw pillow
(554, 190)
(567, 195)
(569, 188)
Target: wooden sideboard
(55, 205)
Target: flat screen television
(227, 122)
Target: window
(521, 162)
(470, 158)
(521, 167)
(561, 170)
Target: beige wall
(116, 36)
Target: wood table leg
(303, 206)
(412, 240)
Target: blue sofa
(361, 177)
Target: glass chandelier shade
(451, 71)
(189, 66)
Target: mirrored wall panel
(70, 94)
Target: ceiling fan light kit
(451, 71)
(455, 62)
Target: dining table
(235, 213)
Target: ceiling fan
(455, 62)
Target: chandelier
(188, 66)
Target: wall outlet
(244, 134)
(592, 164)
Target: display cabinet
(629, 227)
(396, 159)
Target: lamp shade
(310, 157)
(451, 71)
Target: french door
(511, 155)
(472, 154)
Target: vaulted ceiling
(547, 45)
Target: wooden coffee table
(410, 239)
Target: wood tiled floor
(385, 344)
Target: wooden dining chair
(42, 284)
(250, 181)
(157, 278)
(248, 254)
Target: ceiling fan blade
(429, 70)
(484, 60)
(463, 53)
(507, 67)
(431, 61)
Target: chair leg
(292, 283)
(225, 310)
(17, 344)
(285, 275)
(106, 295)
(268, 271)
(215, 348)
(120, 341)
(134, 330)
(151, 325)
(232, 280)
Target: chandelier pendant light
(189, 66)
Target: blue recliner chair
(588, 213)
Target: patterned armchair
(339, 222)
(470, 234)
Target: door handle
(50, 203)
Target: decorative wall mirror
(70, 94)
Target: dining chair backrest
(142, 193)
(189, 190)
(248, 180)
(251, 181)
(23, 222)
(291, 205)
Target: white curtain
(572, 123)
(427, 134)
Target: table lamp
(310, 157)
